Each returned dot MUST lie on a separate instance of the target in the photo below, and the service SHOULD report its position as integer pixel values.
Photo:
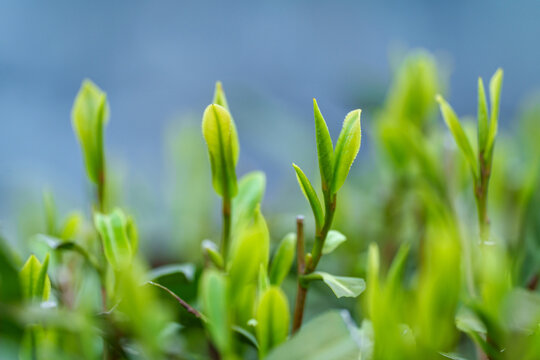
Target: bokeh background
(158, 63)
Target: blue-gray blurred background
(158, 62)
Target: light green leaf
(397, 269)
(89, 115)
(221, 138)
(468, 322)
(347, 147)
(35, 282)
(250, 194)
(187, 270)
(283, 259)
(211, 250)
(459, 135)
(330, 336)
(219, 96)
(482, 116)
(333, 240)
(113, 229)
(272, 320)
(252, 250)
(325, 149)
(342, 286)
(264, 282)
(310, 195)
(495, 86)
(71, 226)
(214, 293)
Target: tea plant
(86, 291)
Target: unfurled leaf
(283, 259)
(347, 147)
(211, 250)
(330, 336)
(495, 86)
(325, 149)
(251, 251)
(482, 116)
(89, 115)
(35, 282)
(221, 138)
(250, 193)
(214, 293)
(272, 320)
(333, 240)
(459, 135)
(113, 230)
(342, 286)
(187, 270)
(310, 195)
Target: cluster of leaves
(437, 284)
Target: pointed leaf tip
(325, 148)
(347, 148)
(311, 196)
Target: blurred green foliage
(441, 232)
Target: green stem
(313, 258)
(301, 291)
(481, 195)
(226, 232)
(320, 237)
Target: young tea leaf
(89, 115)
(221, 138)
(283, 259)
(272, 320)
(252, 250)
(495, 86)
(219, 96)
(482, 116)
(113, 229)
(325, 149)
(347, 147)
(250, 193)
(310, 195)
(35, 282)
(214, 293)
(211, 250)
(342, 286)
(333, 240)
(459, 135)
(264, 282)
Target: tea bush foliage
(428, 250)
